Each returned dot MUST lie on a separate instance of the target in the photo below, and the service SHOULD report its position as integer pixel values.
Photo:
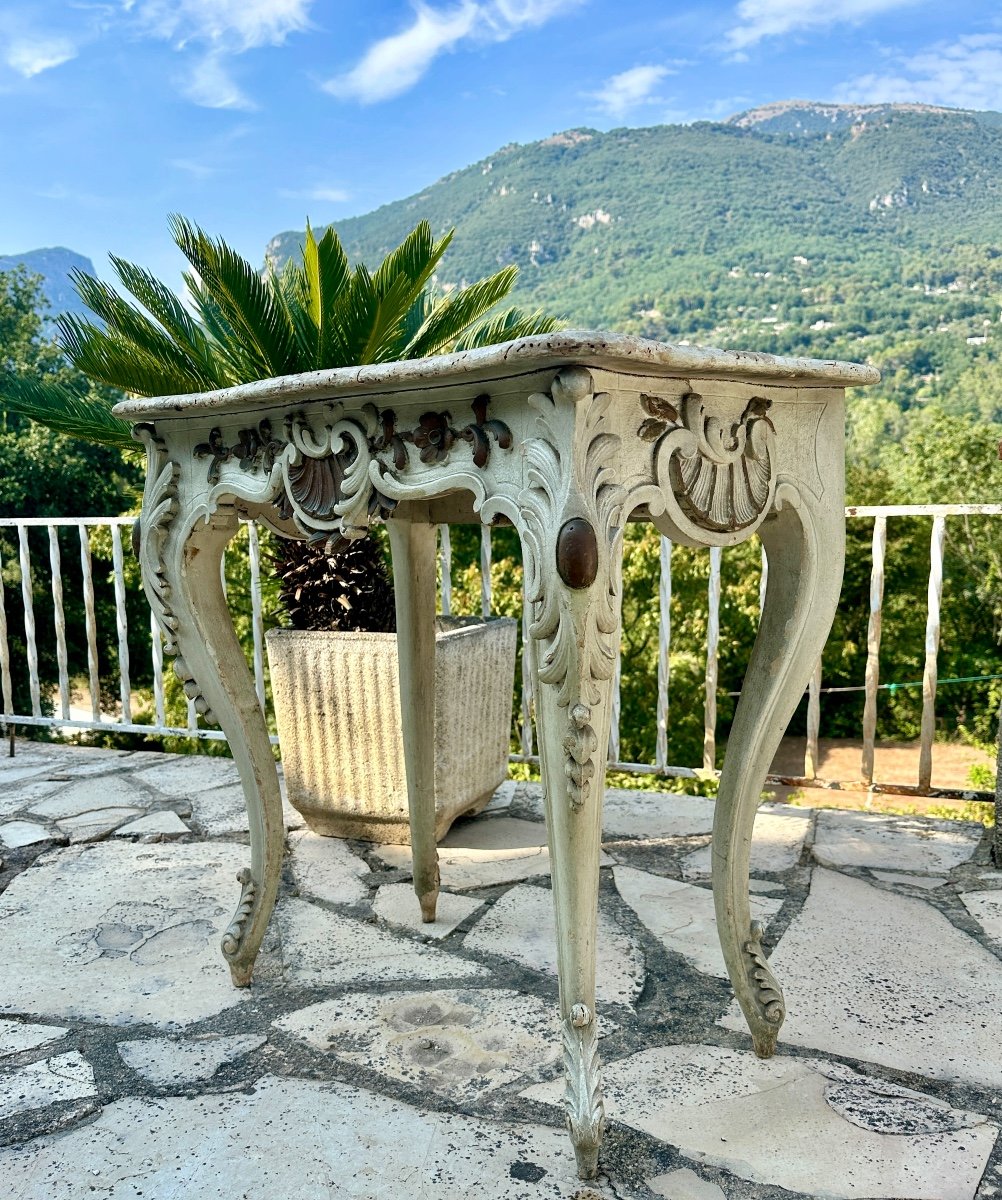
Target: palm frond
(244, 299)
(415, 259)
(158, 299)
(129, 332)
(64, 410)
(506, 327)
(111, 358)
(451, 317)
(327, 275)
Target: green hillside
(859, 231)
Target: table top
(628, 355)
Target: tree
(45, 472)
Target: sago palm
(317, 313)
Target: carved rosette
(768, 993)
(160, 508)
(572, 513)
(717, 477)
(583, 1083)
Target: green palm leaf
(65, 410)
(451, 317)
(243, 299)
(506, 327)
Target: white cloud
(396, 63)
(966, 73)
(235, 25)
(32, 55)
(322, 192)
(208, 83)
(758, 19)
(629, 89)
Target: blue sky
(250, 115)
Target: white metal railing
(94, 714)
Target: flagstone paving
(375, 1057)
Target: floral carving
(720, 473)
(435, 436)
(580, 745)
(253, 448)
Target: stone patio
(376, 1058)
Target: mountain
(855, 230)
(805, 117)
(54, 266)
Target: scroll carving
(768, 994)
(160, 508)
(328, 469)
(572, 482)
(718, 476)
(583, 1074)
(235, 930)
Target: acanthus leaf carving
(574, 507)
(583, 1080)
(768, 993)
(235, 930)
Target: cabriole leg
(413, 549)
(181, 572)
(805, 545)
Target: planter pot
(337, 706)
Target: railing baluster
(157, 646)
(929, 675)
(485, 571)
(121, 622)
(712, 646)
(59, 621)
(525, 740)
(616, 707)
(763, 582)
(445, 560)
(664, 653)
(90, 624)
(813, 724)
(872, 676)
(257, 619)
(24, 557)
(6, 688)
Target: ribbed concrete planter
(337, 705)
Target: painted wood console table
(566, 437)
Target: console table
(566, 437)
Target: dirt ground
(894, 762)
